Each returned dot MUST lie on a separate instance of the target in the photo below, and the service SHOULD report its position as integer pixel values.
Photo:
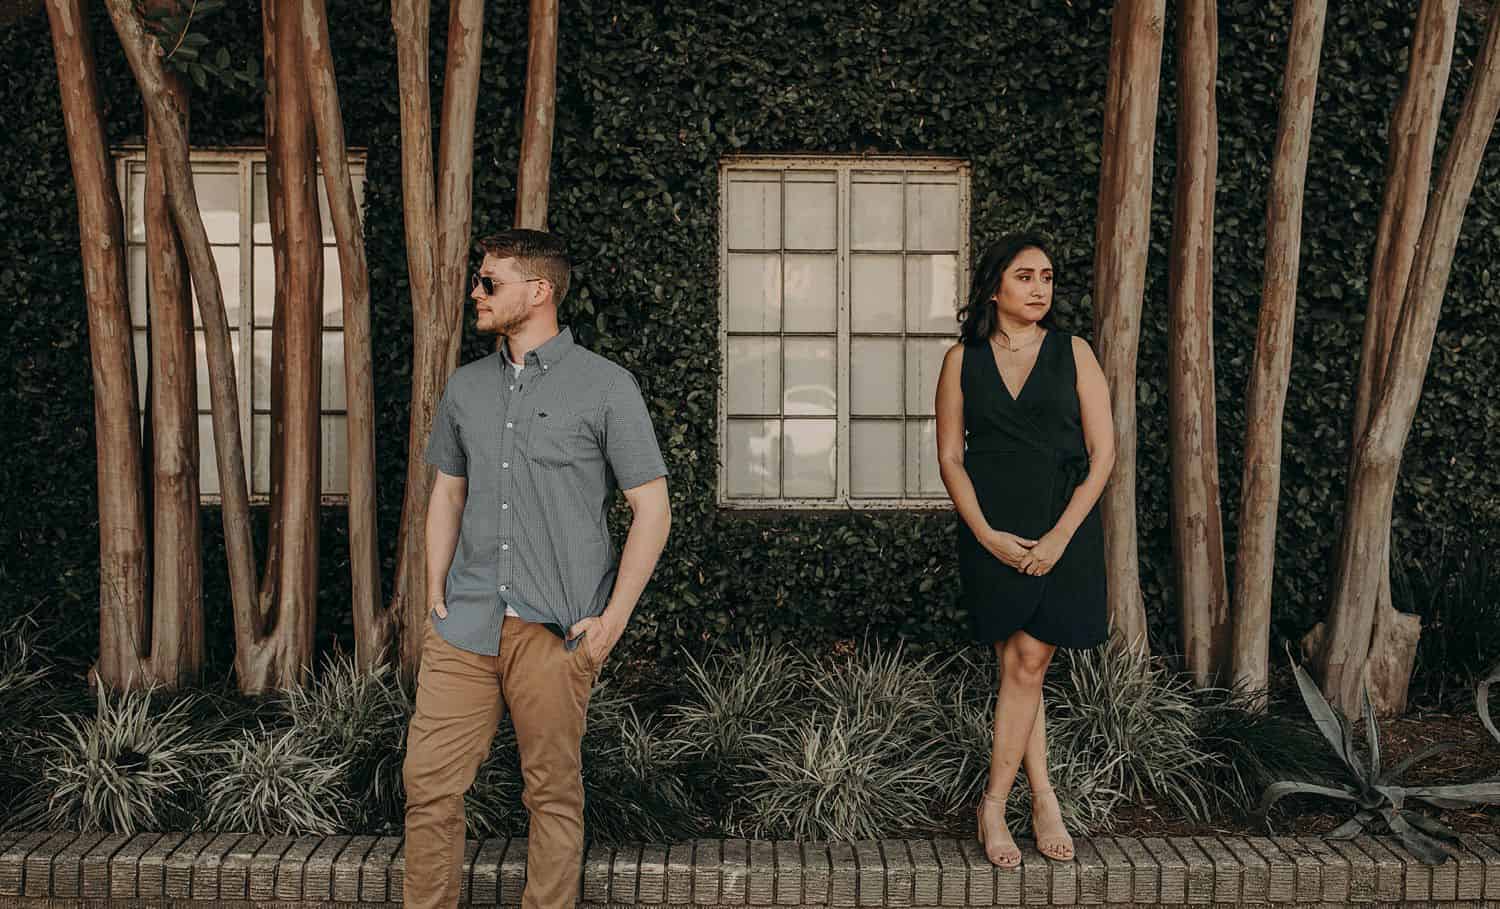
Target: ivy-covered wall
(651, 96)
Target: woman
(1025, 444)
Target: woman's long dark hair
(978, 318)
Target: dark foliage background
(651, 96)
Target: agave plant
(1375, 791)
(1482, 699)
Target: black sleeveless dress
(1025, 456)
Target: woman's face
(1025, 293)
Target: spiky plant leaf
(1354, 826)
(1278, 791)
(1372, 737)
(1458, 795)
(1425, 847)
(1329, 721)
(1482, 700)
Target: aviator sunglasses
(489, 284)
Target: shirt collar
(549, 353)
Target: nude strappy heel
(1054, 843)
(1010, 857)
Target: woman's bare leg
(1023, 665)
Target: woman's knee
(1025, 658)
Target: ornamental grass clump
(359, 718)
(859, 756)
(1118, 701)
(134, 765)
(23, 699)
(277, 782)
(1374, 791)
(1252, 747)
(633, 778)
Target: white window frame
(844, 166)
(242, 161)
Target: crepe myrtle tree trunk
(175, 654)
(122, 517)
(280, 655)
(536, 130)
(1349, 653)
(372, 624)
(437, 217)
(1271, 363)
(1122, 240)
(1197, 519)
(146, 67)
(1413, 137)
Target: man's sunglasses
(489, 284)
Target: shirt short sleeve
(629, 439)
(445, 449)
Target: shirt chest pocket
(557, 439)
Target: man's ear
(551, 291)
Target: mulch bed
(1476, 758)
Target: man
(526, 601)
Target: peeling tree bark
(281, 654)
(372, 624)
(1367, 513)
(175, 653)
(122, 518)
(536, 131)
(182, 200)
(1197, 519)
(437, 246)
(1122, 241)
(1270, 369)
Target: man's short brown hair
(538, 254)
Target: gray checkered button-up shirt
(543, 453)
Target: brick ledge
(230, 869)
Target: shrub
(131, 766)
(276, 782)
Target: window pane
(874, 458)
(810, 449)
(754, 212)
(875, 376)
(932, 293)
(260, 370)
(754, 292)
(752, 458)
(812, 292)
(875, 211)
(333, 392)
(219, 203)
(260, 225)
(811, 211)
(227, 260)
(875, 293)
(333, 289)
(811, 376)
(135, 264)
(754, 375)
(922, 475)
(932, 213)
(335, 450)
(924, 360)
(260, 455)
(135, 214)
(208, 463)
(142, 364)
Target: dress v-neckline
(1015, 396)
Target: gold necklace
(1038, 335)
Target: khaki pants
(461, 698)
